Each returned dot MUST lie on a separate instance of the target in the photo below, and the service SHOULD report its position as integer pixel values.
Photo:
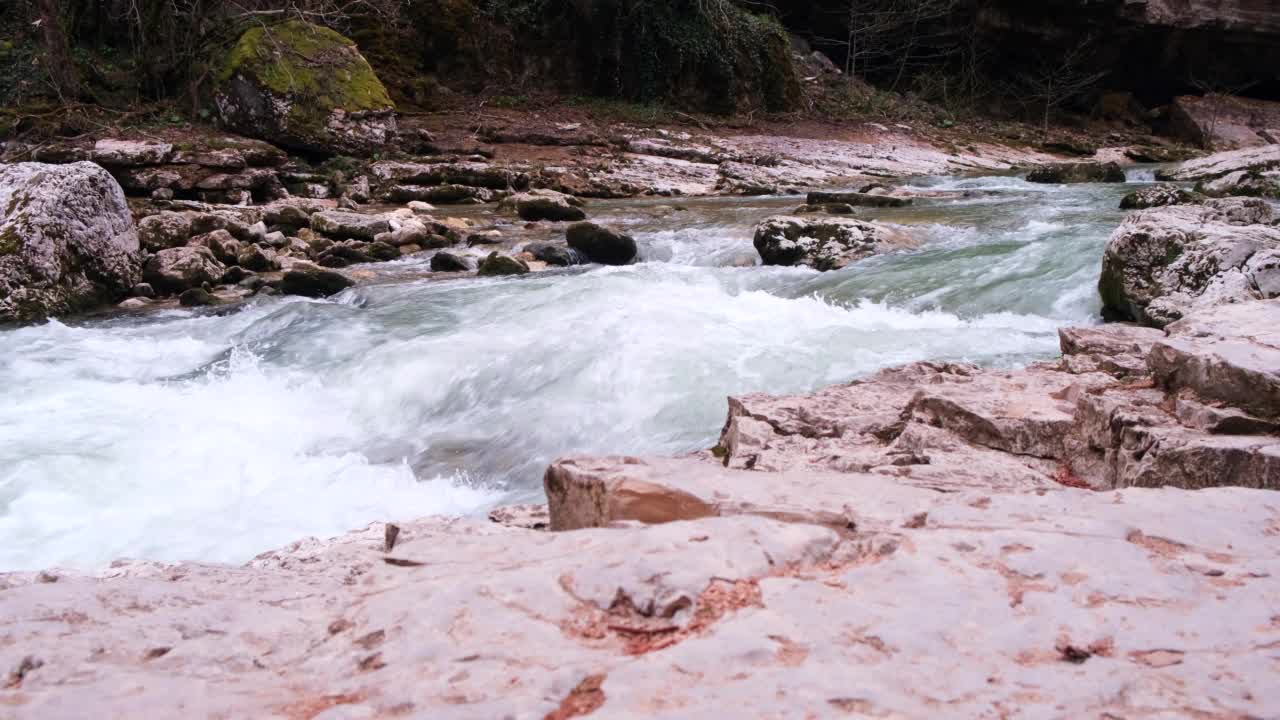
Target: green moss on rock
(285, 82)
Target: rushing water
(214, 435)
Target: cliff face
(1156, 48)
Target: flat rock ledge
(937, 540)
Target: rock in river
(498, 264)
(1160, 263)
(314, 282)
(1077, 173)
(1159, 196)
(176, 269)
(445, 261)
(545, 205)
(67, 240)
(824, 243)
(600, 244)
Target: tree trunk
(57, 58)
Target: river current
(217, 434)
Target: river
(214, 434)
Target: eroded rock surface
(67, 240)
(1059, 602)
(1192, 407)
(1162, 263)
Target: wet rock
(1077, 173)
(130, 153)
(67, 240)
(143, 290)
(235, 275)
(445, 261)
(498, 264)
(828, 208)
(421, 208)
(162, 194)
(196, 297)
(176, 269)
(599, 244)
(537, 205)
(303, 86)
(349, 225)
(1159, 196)
(382, 252)
(554, 254)
(824, 244)
(1161, 263)
(856, 199)
(164, 230)
(314, 283)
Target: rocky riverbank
(1088, 536)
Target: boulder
(409, 231)
(67, 240)
(342, 254)
(498, 264)
(382, 252)
(314, 283)
(1084, 172)
(826, 243)
(554, 254)
(145, 180)
(257, 258)
(293, 212)
(599, 244)
(224, 247)
(196, 297)
(445, 261)
(130, 153)
(306, 87)
(341, 224)
(1163, 262)
(1159, 196)
(856, 198)
(1224, 122)
(550, 205)
(176, 269)
(164, 230)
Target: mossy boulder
(305, 87)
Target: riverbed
(216, 434)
